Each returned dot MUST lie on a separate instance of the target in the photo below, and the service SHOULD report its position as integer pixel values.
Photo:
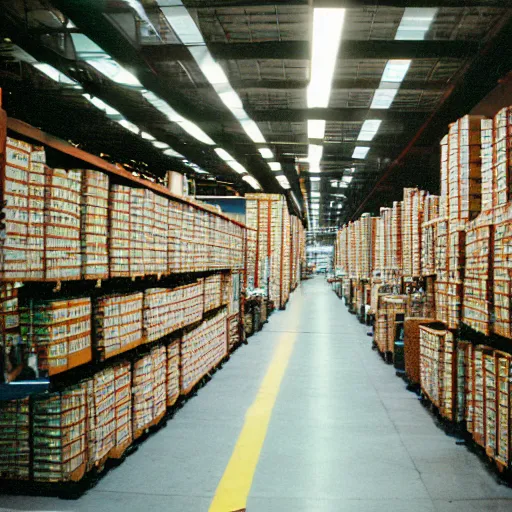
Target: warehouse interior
(255, 255)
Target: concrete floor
(344, 434)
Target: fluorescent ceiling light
(146, 136)
(173, 116)
(316, 128)
(112, 70)
(196, 132)
(275, 166)
(160, 145)
(314, 178)
(340, 206)
(383, 98)
(360, 152)
(327, 29)
(315, 207)
(315, 153)
(415, 23)
(252, 182)
(171, 152)
(315, 168)
(369, 129)
(129, 126)
(347, 179)
(331, 204)
(54, 74)
(283, 181)
(231, 100)
(252, 130)
(266, 153)
(101, 105)
(182, 23)
(395, 71)
(315, 194)
(343, 184)
(237, 167)
(224, 155)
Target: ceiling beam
(217, 4)
(335, 114)
(351, 49)
(354, 84)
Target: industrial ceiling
(338, 104)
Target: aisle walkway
(344, 434)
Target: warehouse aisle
(344, 435)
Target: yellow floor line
(234, 487)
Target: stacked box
(36, 215)
(9, 321)
(62, 224)
(188, 239)
(149, 238)
(142, 394)
(119, 241)
(443, 203)
(276, 249)
(118, 322)
(159, 356)
(212, 292)
(502, 291)
(429, 235)
(388, 307)
(465, 383)
(478, 273)
(104, 413)
(160, 318)
(161, 234)
(123, 404)
(173, 372)
(14, 262)
(59, 435)
(501, 156)
(478, 395)
(503, 398)
(138, 219)
(411, 231)
(202, 349)
(193, 302)
(490, 411)
(285, 259)
(438, 368)
(175, 247)
(251, 258)
(59, 331)
(489, 200)
(94, 219)
(15, 439)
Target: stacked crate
(104, 414)
(14, 260)
(251, 258)
(15, 439)
(477, 301)
(142, 395)
(478, 394)
(490, 411)
(59, 421)
(212, 292)
(438, 368)
(123, 406)
(188, 240)
(9, 322)
(59, 331)
(175, 247)
(173, 372)
(119, 239)
(94, 219)
(62, 224)
(202, 349)
(429, 235)
(159, 378)
(286, 239)
(36, 215)
(138, 221)
(278, 210)
(389, 306)
(504, 409)
(118, 323)
(412, 219)
(465, 383)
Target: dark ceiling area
(207, 87)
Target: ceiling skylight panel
(327, 30)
